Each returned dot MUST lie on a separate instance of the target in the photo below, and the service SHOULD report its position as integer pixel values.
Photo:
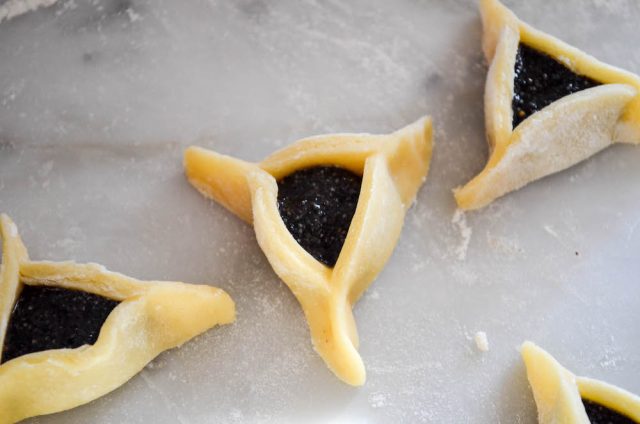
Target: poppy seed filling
(600, 414)
(317, 206)
(47, 318)
(541, 80)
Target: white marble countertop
(98, 99)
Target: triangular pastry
(562, 397)
(327, 212)
(70, 333)
(547, 106)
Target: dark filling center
(54, 318)
(599, 414)
(541, 80)
(317, 205)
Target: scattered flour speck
(459, 220)
(552, 232)
(615, 7)
(611, 358)
(377, 400)
(236, 415)
(549, 229)
(482, 343)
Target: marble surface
(98, 99)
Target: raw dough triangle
(393, 168)
(558, 136)
(559, 393)
(152, 316)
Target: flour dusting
(377, 400)
(459, 220)
(549, 229)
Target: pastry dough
(559, 393)
(393, 167)
(152, 316)
(558, 136)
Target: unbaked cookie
(562, 397)
(327, 212)
(70, 333)
(547, 106)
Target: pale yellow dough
(559, 393)
(393, 167)
(558, 136)
(153, 316)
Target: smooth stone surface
(99, 99)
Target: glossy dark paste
(541, 80)
(317, 205)
(54, 318)
(599, 414)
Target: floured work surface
(97, 103)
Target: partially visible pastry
(70, 333)
(561, 397)
(547, 106)
(327, 212)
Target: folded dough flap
(348, 151)
(289, 260)
(334, 336)
(628, 128)
(177, 312)
(553, 139)
(499, 93)
(610, 396)
(408, 152)
(221, 178)
(90, 278)
(379, 216)
(495, 16)
(14, 254)
(554, 388)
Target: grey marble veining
(98, 99)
